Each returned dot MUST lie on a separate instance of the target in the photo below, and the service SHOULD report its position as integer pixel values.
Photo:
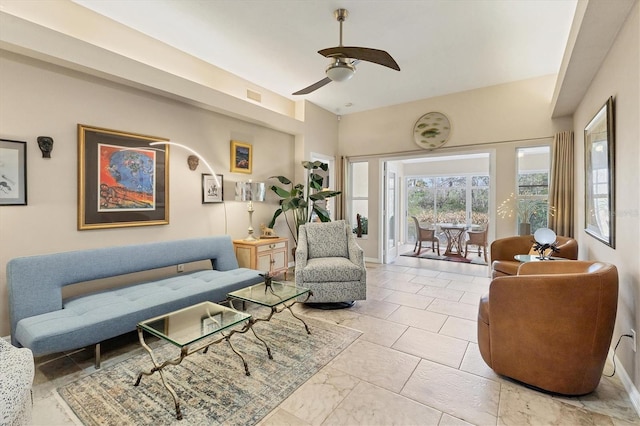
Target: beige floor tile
(372, 405)
(521, 406)
(281, 417)
(449, 420)
(374, 308)
(456, 309)
(610, 398)
(376, 330)
(464, 396)
(378, 293)
(423, 272)
(473, 363)
(473, 287)
(52, 410)
(418, 318)
(471, 299)
(397, 276)
(431, 281)
(332, 384)
(442, 293)
(376, 364)
(455, 277)
(405, 286)
(409, 299)
(461, 329)
(432, 346)
(482, 280)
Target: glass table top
(278, 293)
(189, 325)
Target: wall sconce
(250, 192)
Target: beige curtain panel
(562, 184)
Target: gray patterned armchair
(16, 378)
(330, 263)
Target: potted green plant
(302, 201)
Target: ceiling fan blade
(313, 87)
(376, 56)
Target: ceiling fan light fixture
(340, 70)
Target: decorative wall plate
(432, 130)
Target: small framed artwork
(13, 173)
(599, 147)
(122, 180)
(212, 188)
(241, 157)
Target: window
(359, 194)
(533, 186)
(448, 199)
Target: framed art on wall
(599, 156)
(212, 188)
(241, 157)
(122, 181)
(13, 173)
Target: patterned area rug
(476, 260)
(212, 388)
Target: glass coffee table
(192, 329)
(274, 295)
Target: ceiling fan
(344, 59)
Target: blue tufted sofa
(44, 322)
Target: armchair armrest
(356, 253)
(559, 267)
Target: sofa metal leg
(97, 355)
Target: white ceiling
(442, 46)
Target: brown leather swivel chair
(551, 325)
(503, 251)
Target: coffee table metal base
(186, 351)
(274, 309)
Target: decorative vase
(524, 229)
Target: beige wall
(41, 99)
(618, 77)
(495, 119)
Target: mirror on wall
(600, 175)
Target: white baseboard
(634, 395)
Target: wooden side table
(266, 255)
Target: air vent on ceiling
(254, 96)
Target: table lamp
(250, 192)
(545, 239)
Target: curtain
(341, 173)
(561, 184)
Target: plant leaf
(281, 192)
(283, 180)
(323, 195)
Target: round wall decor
(432, 130)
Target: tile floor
(416, 363)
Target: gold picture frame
(241, 157)
(122, 181)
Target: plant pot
(524, 229)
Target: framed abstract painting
(122, 181)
